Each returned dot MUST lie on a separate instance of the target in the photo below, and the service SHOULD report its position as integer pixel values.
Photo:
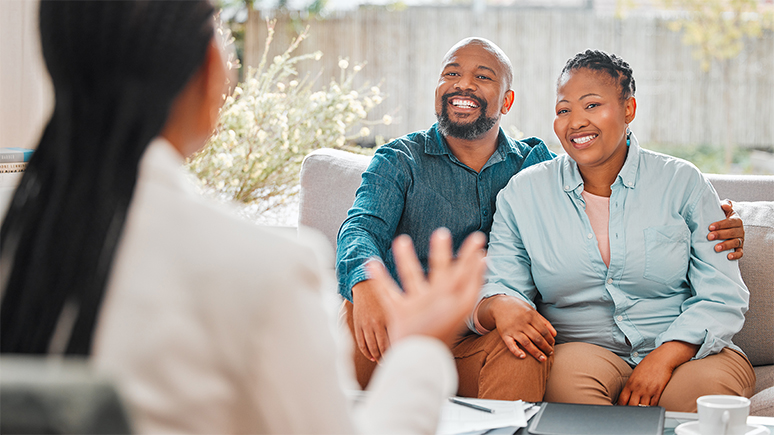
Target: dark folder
(573, 419)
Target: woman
(612, 263)
(208, 323)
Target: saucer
(692, 428)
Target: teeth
(584, 139)
(464, 103)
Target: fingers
(440, 254)
(535, 345)
(412, 276)
(728, 234)
(730, 244)
(372, 346)
(382, 341)
(731, 232)
(728, 208)
(626, 394)
(511, 344)
(361, 344)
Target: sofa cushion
(329, 180)
(757, 336)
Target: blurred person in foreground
(208, 323)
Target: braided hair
(117, 67)
(598, 60)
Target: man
(449, 176)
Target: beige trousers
(586, 373)
(486, 368)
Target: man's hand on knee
(370, 320)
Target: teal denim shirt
(414, 185)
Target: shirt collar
(438, 146)
(627, 176)
(162, 164)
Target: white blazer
(211, 324)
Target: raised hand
(435, 305)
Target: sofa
(329, 179)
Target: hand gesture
(438, 304)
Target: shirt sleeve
(508, 263)
(373, 219)
(538, 152)
(408, 389)
(719, 298)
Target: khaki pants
(586, 373)
(486, 368)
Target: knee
(585, 373)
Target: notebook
(573, 419)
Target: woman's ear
(630, 106)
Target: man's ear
(630, 105)
(507, 102)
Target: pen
(470, 405)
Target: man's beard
(468, 131)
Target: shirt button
(590, 235)
(636, 354)
(619, 318)
(610, 280)
(566, 187)
(630, 184)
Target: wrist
(494, 307)
(675, 353)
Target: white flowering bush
(272, 120)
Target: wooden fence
(677, 102)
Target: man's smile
(464, 103)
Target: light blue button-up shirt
(665, 281)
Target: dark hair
(117, 67)
(613, 65)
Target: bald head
(489, 46)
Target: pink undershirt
(598, 211)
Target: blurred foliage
(709, 159)
(716, 29)
(272, 120)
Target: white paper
(458, 419)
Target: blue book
(15, 154)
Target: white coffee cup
(723, 415)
